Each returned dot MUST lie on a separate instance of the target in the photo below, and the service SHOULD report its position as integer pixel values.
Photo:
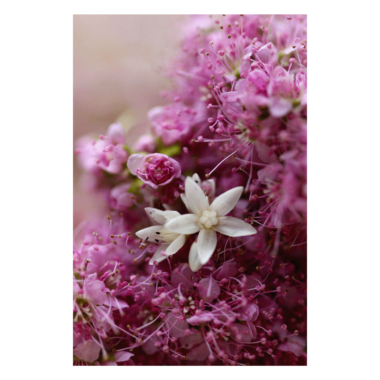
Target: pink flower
(174, 121)
(94, 290)
(268, 54)
(301, 82)
(120, 199)
(154, 169)
(107, 153)
(146, 143)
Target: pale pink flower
(146, 143)
(120, 198)
(107, 153)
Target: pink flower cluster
(106, 154)
(236, 116)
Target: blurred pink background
(118, 69)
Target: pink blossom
(279, 107)
(120, 198)
(173, 122)
(154, 169)
(107, 153)
(94, 290)
(268, 54)
(146, 143)
(281, 83)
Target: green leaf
(296, 102)
(128, 149)
(172, 150)
(135, 186)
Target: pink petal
(87, 351)
(208, 289)
(122, 356)
(196, 320)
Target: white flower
(207, 220)
(171, 242)
(207, 186)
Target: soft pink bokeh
(118, 70)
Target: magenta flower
(154, 169)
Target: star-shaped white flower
(207, 220)
(171, 242)
(207, 186)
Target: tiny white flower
(171, 242)
(207, 220)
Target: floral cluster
(201, 259)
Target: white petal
(227, 201)
(206, 244)
(194, 262)
(150, 234)
(176, 245)
(160, 216)
(231, 226)
(184, 200)
(196, 179)
(184, 224)
(158, 256)
(195, 197)
(135, 162)
(170, 214)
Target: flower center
(208, 219)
